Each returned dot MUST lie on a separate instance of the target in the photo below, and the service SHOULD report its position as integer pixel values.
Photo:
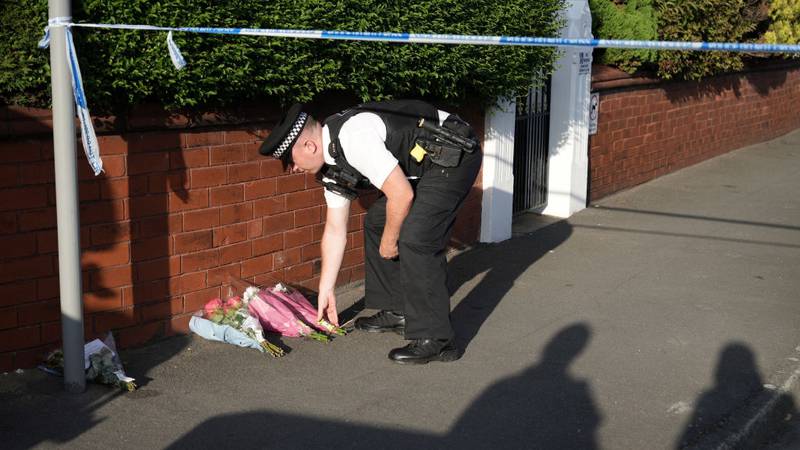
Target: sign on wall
(585, 60)
(594, 106)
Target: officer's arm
(399, 196)
(334, 240)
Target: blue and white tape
(90, 146)
(90, 141)
(423, 38)
(175, 53)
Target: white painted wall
(568, 166)
(498, 172)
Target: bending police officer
(424, 161)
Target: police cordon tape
(90, 141)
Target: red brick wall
(647, 131)
(175, 212)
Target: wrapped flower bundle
(104, 369)
(222, 333)
(101, 363)
(298, 303)
(285, 311)
(235, 313)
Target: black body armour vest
(400, 118)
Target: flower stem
(319, 336)
(272, 349)
(129, 386)
(333, 329)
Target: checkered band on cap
(291, 135)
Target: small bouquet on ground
(235, 313)
(289, 315)
(298, 303)
(104, 368)
(101, 363)
(222, 333)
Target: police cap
(279, 142)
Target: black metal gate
(531, 148)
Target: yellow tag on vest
(418, 153)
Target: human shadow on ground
(501, 265)
(544, 406)
(723, 415)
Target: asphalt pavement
(663, 317)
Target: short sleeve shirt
(363, 139)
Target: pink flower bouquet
(285, 312)
(234, 312)
(303, 308)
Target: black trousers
(416, 282)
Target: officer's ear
(308, 147)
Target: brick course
(646, 131)
(176, 212)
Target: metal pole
(69, 250)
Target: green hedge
(123, 68)
(785, 22)
(680, 20)
(703, 20)
(635, 20)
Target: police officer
(424, 161)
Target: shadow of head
(565, 346)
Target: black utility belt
(445, 144)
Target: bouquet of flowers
(303, 308)
(104, 369)
(285, 311)
(101, 362)
(235, 313)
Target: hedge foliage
(687, 20)
(785, 22)
(703, 20)
(635, 20)
(24, 69)
(123, 68)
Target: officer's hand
(326, 307)
(388, 250)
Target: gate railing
(531, 148)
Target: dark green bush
(679, 20)
(24, 69)
(123, 68)
(634, 20)
(703, 20)
(784, 26)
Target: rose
(213, 310)
(233, 303)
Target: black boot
(382, 321)
(422, 351)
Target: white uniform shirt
(363, 139)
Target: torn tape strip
(88, 137)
